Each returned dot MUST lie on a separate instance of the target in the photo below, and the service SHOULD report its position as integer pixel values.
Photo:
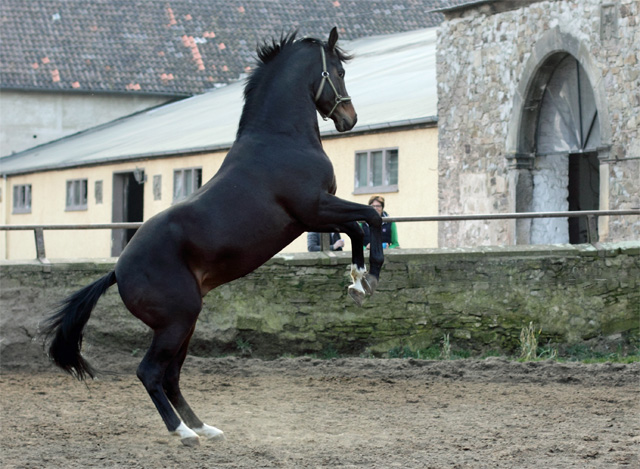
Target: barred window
(76, 194)
(22, 198)
(376, 171)
(186, 182)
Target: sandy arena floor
(353, 413)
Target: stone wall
(298, 304)
(487, 54)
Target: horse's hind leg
(172, 389)
(166, 345)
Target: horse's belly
(231, 263)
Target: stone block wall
(485, 54)
(298, 304)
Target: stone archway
(558, 131)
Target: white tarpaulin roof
(392, 82)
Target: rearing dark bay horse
(275, 183)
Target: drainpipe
(5, 217)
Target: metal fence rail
(591, 215)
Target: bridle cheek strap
(326, 78)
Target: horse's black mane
(271, 49)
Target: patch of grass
(244, 347)
(547, 353)
(400, 351)
(583, 353)
(530, 350)
(491, 353)
(431, 353)
(460, 354)
(328, 353)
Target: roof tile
(129, 45)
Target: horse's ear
(333, 38)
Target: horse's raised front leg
(360, 286)
(335, 214)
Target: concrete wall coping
(395, 255)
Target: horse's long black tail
(67, 323)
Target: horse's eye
(341, 73)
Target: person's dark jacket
(313, 241)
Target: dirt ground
(348, 413)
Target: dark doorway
(584, 192)
(128, 203)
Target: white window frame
(387, 185)
(22, 198)
(76, 194)
(191, 177)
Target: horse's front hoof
(357, 295)
(370, 283)
(365, 284)
(191, 441)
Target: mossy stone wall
(297, 304)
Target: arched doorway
(565, 169)
(559, 140)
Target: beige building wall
(417, 194)
(417, 179)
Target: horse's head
(331, 97)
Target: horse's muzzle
(344, 117)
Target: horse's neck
(282, 105)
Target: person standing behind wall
(314, 242)
(389, 230)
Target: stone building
(538, 110)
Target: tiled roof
(173, 47)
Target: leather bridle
(327, 78)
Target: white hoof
(356, 273)
(356, 294)
(187, 436)
(209, 432)
(360, 287)
(191, 442)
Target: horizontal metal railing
(591, 215)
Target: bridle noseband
(327, 78)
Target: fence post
(592, 229)
(40, 253)
(325, 241)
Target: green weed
(529, 343)
(445, 351)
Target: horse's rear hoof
(191, 441)
(357, 295)
(210, 433)
(217, 438)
